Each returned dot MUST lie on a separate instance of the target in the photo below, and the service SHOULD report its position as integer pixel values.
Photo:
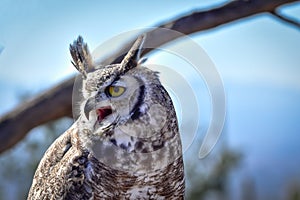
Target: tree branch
(15, 124)
(202, 20)
(285, 19)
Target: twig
(286, 19)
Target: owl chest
(102, 182)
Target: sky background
(257, 58)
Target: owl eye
(115, 91)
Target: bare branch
(57, 102)
(15, 124)
(202, 20)
(286, 19)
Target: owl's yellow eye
(115, 91)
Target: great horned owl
(125, 143)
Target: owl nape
(125, 143)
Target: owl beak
(89, 106)
(101, 110)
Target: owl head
(124, 103)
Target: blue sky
(257, 58)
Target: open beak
(101, 112)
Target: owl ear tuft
(82, 59)
(133, 56)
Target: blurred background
(258, 154)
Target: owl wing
(61, 170)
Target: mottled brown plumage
(125, 143)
